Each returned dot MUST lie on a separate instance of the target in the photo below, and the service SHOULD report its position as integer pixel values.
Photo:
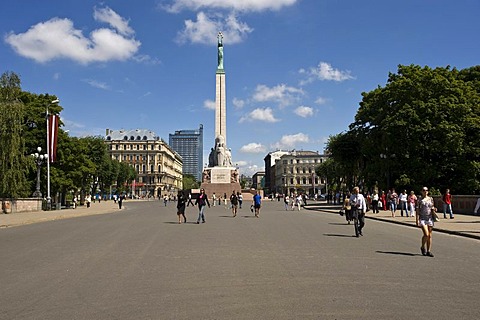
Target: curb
(456, 233)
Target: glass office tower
(189, 144)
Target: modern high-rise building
(189, 144)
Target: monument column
(221, 177)
(220, 95)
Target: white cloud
(206, 28)
(209, 104)
(237, 5)
(289, 141)
(303, 111)
(321, 101)
(253, 148)
(146, 59)
(238, 103)
(249, 169)
(97, 84)
(324, 71)
(281, 94)
(109, 16)
(259, 114)
(58, 39)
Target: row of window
(294, 161)
(299, 170)
(131, 157)
(131, 138)
(300, 180)
(131, 147)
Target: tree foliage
(13, 163)
(422, 128)
(82, 166)
(189, 182)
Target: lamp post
(49, 158)
(38, 158)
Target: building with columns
(295, 173)
(158, 166)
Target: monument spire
(220, 94)
(220, 177)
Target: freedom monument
(220, 176)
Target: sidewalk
(462, 225)
(23, 218)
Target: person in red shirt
(447, 204)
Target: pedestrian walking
(214, 199)
(190, 200)
(165, 200)
(447, 204)
(412, 202)
(234, 203)
(202, 202)
(120, 201)
(402, 200)
(393, 201)
(375, 201)
(358, 204)
(383, 199)
(240, 199)
(347, 209)
(88, 199)
(424, 220)
(257, 203)
(285, 201)
(298, 201)
(181, 200)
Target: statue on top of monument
(220, 50)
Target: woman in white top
(424, 220)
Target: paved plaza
(139, 263)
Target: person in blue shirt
(257, 203)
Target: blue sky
(295, 69)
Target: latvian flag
(52, 136)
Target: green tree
(426, 124)
(13, 162)
(189, 182)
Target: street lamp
(38, 158)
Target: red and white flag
(53, 120)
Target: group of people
(407, 203)
(202, 202)
(422, 208)
(294, 201)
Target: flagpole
(49, 199)
(49, 150)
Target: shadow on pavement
(399, 253)
(339, 235)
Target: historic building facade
(270, 160)
(295, 173)
(158, 166)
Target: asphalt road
(140, 264)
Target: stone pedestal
(220, 180)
